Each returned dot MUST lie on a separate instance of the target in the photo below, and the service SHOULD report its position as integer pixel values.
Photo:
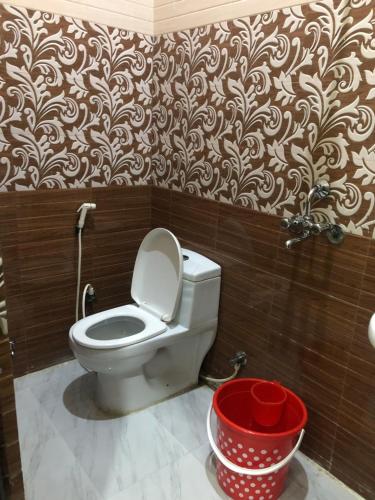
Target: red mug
(268, 400)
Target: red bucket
(253, 461)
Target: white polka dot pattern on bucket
(252, 455)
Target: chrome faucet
(304, 226)
(297, 239)
(319, 191)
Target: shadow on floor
(297, 483)
(296, 487)
(79, 399)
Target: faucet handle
(322, 189)
(319, 227)
(285, 223)
(335, 234)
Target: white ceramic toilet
(145, 352)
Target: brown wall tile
(10, 459)
(296, 314)
(41, 259)
(294, 326)
(353, 462)
(14, 487)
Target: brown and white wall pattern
(253, 111)
(75, 103)
(249, 112)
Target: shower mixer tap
(297, 224)
(304, 226)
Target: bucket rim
(239, 428)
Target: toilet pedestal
(170, 370)
(121, 396)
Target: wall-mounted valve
(304, 226)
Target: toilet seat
(156, 288)
(157, 276)
(97, 332)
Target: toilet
(145, 352)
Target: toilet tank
(200, 290)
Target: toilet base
(132, 379)
(167, 371)
(121, 396)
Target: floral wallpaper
(75, 103)
(254, 111)
(250, 112)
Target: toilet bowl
(145, 352)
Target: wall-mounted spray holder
(304, 226)
(82, 211)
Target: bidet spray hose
(78, 270)
(82, 211)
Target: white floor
(72, 451)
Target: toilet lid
(157, 276)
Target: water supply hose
(78, 270)
(237, 367)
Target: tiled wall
(249, 113)
(76, 103)
(252, 111)
(135, 15)
(171, 15)
(301, 315)
(10, 460)
(75, 113)
(39, 247)
(155, 16)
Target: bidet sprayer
(82, 214)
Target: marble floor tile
(204, 455)
(70, 450)
(55, 474)
(185, 416)
(184, 479)
(53, 375)
(69, 401)
(123, 451)
(308, 481)
(34, 427)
